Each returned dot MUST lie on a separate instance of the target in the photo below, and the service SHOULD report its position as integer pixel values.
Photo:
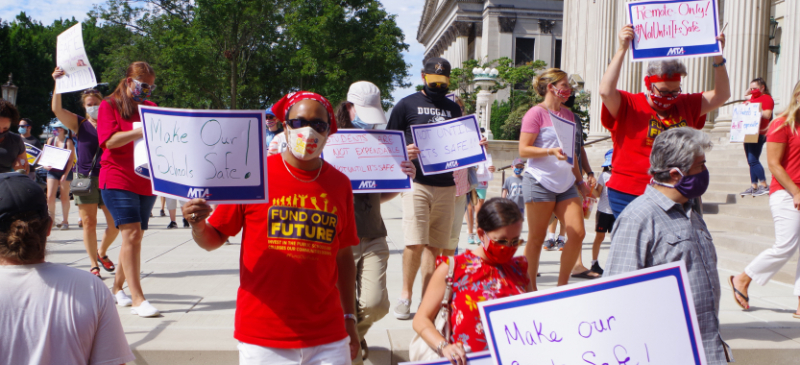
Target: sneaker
(749, 191)
(596, 268)
(123, 300)
(65, 226)
(762, 190)
(470, 240)
(172, 225)
(403, 309)
(145, 310)
(162, 213)
(549, 244)
(185, 223)
(560, 244)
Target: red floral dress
(474, 281)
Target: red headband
(649, 80)
(281, 108)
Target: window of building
(523, 52)
(557, 56)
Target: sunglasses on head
(316, 124)
(90, 91)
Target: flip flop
(737, 292)
(796, 315)
(585, 275)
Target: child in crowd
(604, 217)
(512, 187)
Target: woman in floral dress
(489, 271)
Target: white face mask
(92, 111)
(306, 143)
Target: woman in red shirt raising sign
(635, 120)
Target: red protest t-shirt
(116, 165)
(287, 294)
(791, 155)
(766, 104)
(633, 132)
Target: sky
(408, 15)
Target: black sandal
(585, 275)
(365, 349)
(737, 292)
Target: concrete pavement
(196, 292)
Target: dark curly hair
(8, 110)
(24, 241)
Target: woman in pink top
(127, 196)
(549, 182)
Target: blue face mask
(360, 124)
(517, 171)
(22, 130)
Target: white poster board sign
(370, 158)
(72, 58)
(565, 132)
(674, 29)
(218, 155)
(473, 358)
(449, 145)
(643, 317)
(484, 175)
(33, 154)
(54, 157)
(745, 122)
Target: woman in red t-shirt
(758, 93)
(635, 120)
(783, 155)
(487, 272)
(127, 195)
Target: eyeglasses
(316, 125)
(673, 94)
(24, 126)
(270, 117)
(145, 85)
(516, 242)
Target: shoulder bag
(83, 186)
(419, 349)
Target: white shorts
(335, 353)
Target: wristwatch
(350, 316)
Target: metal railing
(504, 168)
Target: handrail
(502, 169)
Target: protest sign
(449, 145)
(370, 158)
(71, 57)
(54, 157)
(217, 155)
(451, 96)
(484, 175)
(745, 123)
(642, 317)
(33, 154)
(565, 133)
(141, 162)
(674, 29)
(473, 358)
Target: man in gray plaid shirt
(664, 226)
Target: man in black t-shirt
(12, 150)
(429, 208)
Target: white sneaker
(123, 300)
(145, 310)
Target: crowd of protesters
(650, 205)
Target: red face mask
(755, 94)
(562, 93)
(663, 102)
(497, 253)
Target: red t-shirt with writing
(791, 155)
(633, 132)
(287, 294)
(116, 165)
(766, 104)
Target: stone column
(746, 50)
(478, 42)
(461, 45)
(790, 52)
(606, 45)
(699, 78)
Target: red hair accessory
(649, 80)
(281, 108)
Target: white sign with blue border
(449, 145)
(370, 159)
(674, 29)
(643, 317)
(217, 155)
(473, 358)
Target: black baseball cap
(437, 66)
(20, 198)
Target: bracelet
(441, 347)
(724, 61)
(350, 316)
(548, 152)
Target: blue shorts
(128, 207)
(57, 174)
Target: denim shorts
(128, 207)
(536, 193)
(57, 174)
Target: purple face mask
(692, 186)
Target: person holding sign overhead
(550, 184)
(89, 153)
(127, 196)
(635, 120)
(12, 149)
(60, 179)
(759, 94)
(296, 300)
(664, 225)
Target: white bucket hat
(366, 97)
